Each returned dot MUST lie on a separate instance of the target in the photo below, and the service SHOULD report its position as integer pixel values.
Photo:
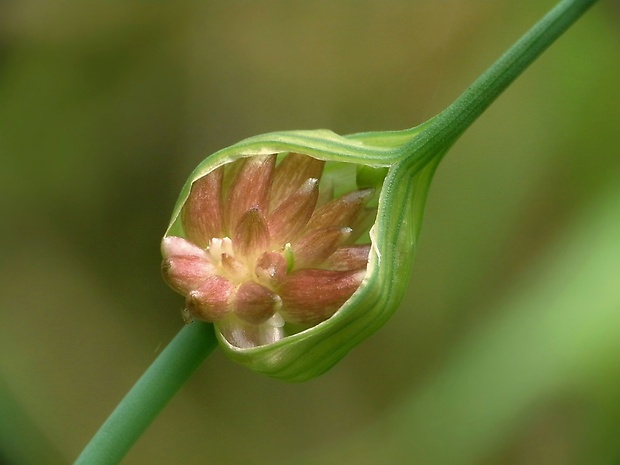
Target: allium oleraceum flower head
(268, 249)
(298, 245)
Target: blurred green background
(506, 350)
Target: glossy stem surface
(161, 381)
(448, 125)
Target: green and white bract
(297, 245)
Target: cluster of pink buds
(264, 248)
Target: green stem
(149, 395)
(443, 130)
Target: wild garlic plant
(290, 248)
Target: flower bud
(251, 236)
(255, 304)
(318, 245)
(186, 265)
(212, 300)
(296, 245)
(310, 296)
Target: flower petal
(362, 223)
(212, 300)
(291, 173)
(292, 215)
(353, 257)
(174, 246)
(250, 188)
(271, 268)
(310, 296)
(202, 213)
(185, 265)
(340, 212)
(314, 248)
(251, 234)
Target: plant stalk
(161, 381)
(445, 128)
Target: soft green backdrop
(105, 107)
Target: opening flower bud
(282, 242)
(271, 210)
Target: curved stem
(444, 129)
(149, 395)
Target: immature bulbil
(267, 249)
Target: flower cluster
(265, 250)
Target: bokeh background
(507, 347)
